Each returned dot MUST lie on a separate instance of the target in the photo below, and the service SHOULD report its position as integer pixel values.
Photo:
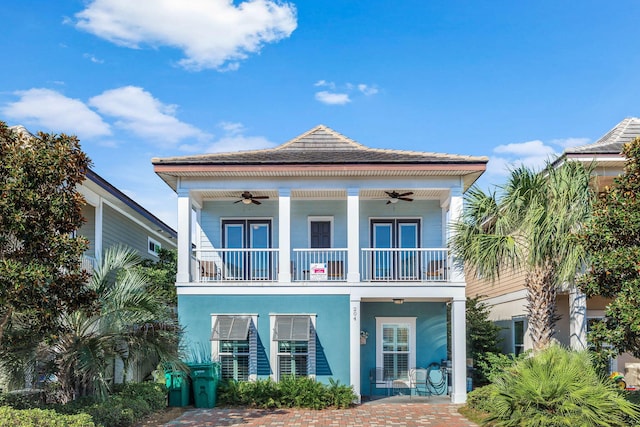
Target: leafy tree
(528, 227)
(612, 240)
(482, 335)
(162, 274)
(40, 209)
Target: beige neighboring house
(507, 296)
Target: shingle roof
(320, 145)
(612, 142)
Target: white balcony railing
(217, 265)
(404, 265)
(328, 265)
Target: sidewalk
(378, 413)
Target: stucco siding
(431, 334)
(332, 325)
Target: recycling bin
(204, 378)
(177, 383)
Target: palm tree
(129, 322)
(528, 227)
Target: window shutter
(231, 328)
(291, 328)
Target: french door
(243, 264)
(389, 237)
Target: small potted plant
(363, 337)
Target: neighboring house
(112, 218)
(507, 296)
(322, 257)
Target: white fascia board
(357, 293)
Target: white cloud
(211, 33)
(343, 94)
(92, 58)
(367, 90)
(570, 142)
(139, 112)
(533, 154)
(233, 139)
(48, 109)
(331, 98)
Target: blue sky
(515, 81)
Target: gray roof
(320, 145)
(612, 142)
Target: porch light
(246, 201)
(398, 301)
(394, 200)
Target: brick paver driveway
(399, 414)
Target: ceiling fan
(248, 198)
(394, 196)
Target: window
(153, 246)
(518, 336)
(395, 346)
(320, 232)
(293, 345)
(234, 344)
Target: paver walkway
(374, 415)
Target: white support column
(354, 345)
(353, 235)
(577, 319)
(284, 235)
(458, 351)
(97, 245)
(184, 237)
(455, 213)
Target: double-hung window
(235, 345)
(518, 335)
(293, 345)
(396, 346)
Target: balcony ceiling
(319, 194)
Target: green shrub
(300, 392)
(154, 394)
(480, 398)
(25, 399)
(491, 365)
(10, 417)
(111, 413)
(558, 387)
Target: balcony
(321, 265)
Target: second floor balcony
(417, 265)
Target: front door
(394, 235)
(248, 262)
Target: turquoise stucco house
(323, 257)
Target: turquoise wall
(332, 325)
(431, 333)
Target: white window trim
(155, 242)
(311, 219)
(525, 327)
(253, 352)
(411, 321)
(273, 348)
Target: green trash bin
(177, 383)
(204, 378)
